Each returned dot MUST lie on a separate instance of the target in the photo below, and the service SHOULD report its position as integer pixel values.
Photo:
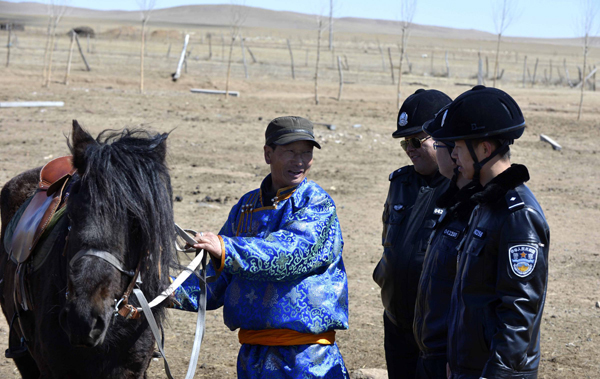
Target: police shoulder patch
(522, 259)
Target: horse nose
(95, 335)
(85, 329)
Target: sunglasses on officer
(414, 142)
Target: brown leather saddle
(48, 201)
(44, 204)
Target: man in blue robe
(282, 279)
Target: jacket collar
(459, 202)
(497, 188)
(269, 197)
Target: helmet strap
(478, 165)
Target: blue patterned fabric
(283, 270)
(290, 362)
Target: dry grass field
(215, 153)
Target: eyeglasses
(305, 156)
(414, 142)
(439, 145)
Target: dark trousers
(401, 350)
(431, 368)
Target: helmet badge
(403, 119)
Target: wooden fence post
(291, 58)
(177, 73)
(244, 56)
(447, 66)
(222, 47)
(87, 66)
(9, 27)
(341, 77)
(70, 57)
(382, 56)
(534, 72)
(391, 64)
(567, 73)
(209, 37)
(524, 70)
(251, 54)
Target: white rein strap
(146, 308)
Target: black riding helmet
(434, 126)
(418, 108)
(481, 113)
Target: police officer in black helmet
(502, 272)
(408, 218)
(439, 267)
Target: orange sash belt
(284, 337)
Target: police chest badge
(523, 259)
(403, 119)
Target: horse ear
(81, 140)
(161, 147)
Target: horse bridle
(122, 306)
(128, 311)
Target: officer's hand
(448, 372)
(209, 242)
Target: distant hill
(220, 15)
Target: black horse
(120, 202)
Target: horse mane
(126, 178)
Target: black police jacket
(432, 308)
(500, 285)
(409, 216)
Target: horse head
(120, 214)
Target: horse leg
(25, 362)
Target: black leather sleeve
(522, 277)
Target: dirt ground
(215, 156)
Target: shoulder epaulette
(513, 200)
(399, 172)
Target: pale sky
(537, 18)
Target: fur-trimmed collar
(497, 188)
(458, 202)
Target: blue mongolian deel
(283, 270)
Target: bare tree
(407, 13)
(56, 10)
(146, 8)
(333, 7)
(238, 14)
(504, 13)
(320, 32)
(586, 23)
